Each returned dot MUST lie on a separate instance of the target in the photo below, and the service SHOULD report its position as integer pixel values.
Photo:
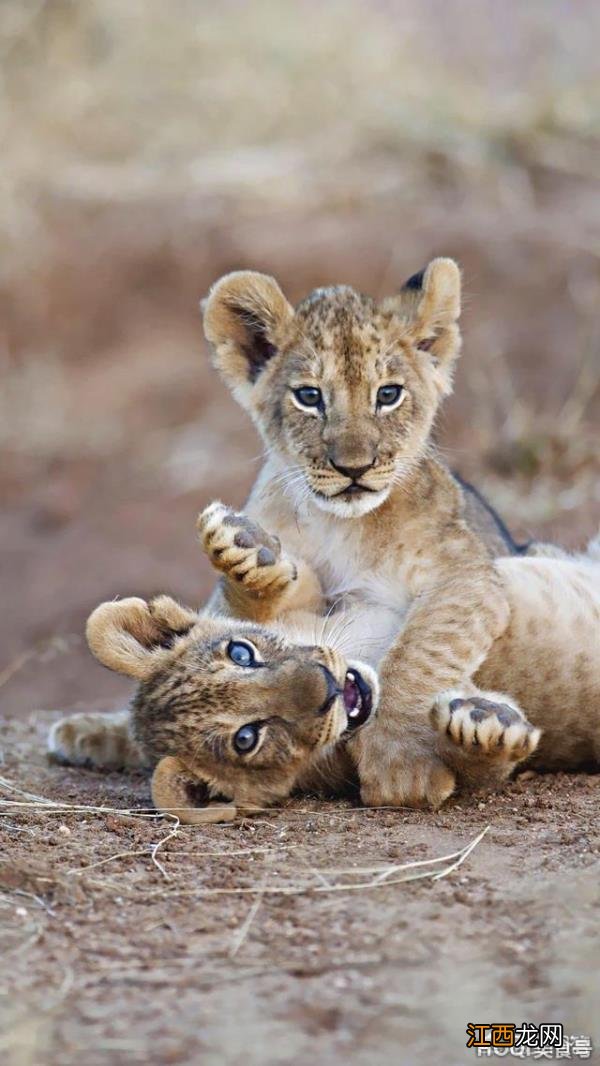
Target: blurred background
(147, 148)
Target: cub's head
(232, 714)
(344, 390)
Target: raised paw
(244, 552)
(99, 741)
(482, 726)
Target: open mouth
(358, 700)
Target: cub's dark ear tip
(415, 281)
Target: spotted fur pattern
(193, 698)
(394, 541)
(392, 553)
(190, 701)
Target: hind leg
(482, 735)
(101, 741)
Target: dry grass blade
(31, 798)
(242, 932)
(160, 844)
(14, 666)
(34, 803)
(310, 888)
(244, 928)
(466, 852)
(383, 878)
(459, 855)
(47, 648)
(135, 853)
(230, 853)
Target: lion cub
(546, 661)
(344, 392)
(234, 714)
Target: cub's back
(549, 656)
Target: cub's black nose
(333, 691)
(353, 472)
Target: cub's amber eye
(389, 395)
(309, 396)
(240, 653)
(246, 738)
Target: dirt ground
(269, 941)
(236, 944)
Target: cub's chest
(366, 594)
(353, 569)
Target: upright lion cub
(344, 392)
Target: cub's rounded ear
(431, 297)
(439, 303)
(246, 320)
(180, 791)
(429, 304)
(134, 637)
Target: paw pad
(243, 551)
(493, 728)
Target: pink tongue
(350, 695)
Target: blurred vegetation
(148, 147)
(284, 103)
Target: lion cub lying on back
(236, 714)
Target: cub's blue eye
(309, 396)
(246, 738)
(240, 653)
(388, 395)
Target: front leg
(259, 582)
(449, 631)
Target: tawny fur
(401, 548)
(190, 700)
(546, 660)
(409, 581)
